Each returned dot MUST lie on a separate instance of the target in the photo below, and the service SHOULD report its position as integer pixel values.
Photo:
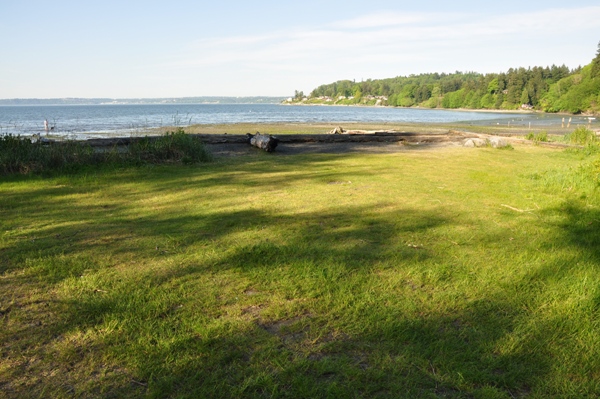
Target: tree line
(550, 89)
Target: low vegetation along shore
(435, 272)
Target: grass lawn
(442, 273)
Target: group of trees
(551, 89)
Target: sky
(180, 48)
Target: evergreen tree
(596, 63)
(525, 97)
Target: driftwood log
(263, 141)
(337, 130)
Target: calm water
(81, 121)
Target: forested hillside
(550, 89)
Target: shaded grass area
(449, 273)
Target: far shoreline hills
(144, 101)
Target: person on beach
(46, 125)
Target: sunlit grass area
(442, 273)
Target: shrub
(22, 155)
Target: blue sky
(125, 49)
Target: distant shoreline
(143, 101)
(492, 111)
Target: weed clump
(584, 178)
(538, 137)
(584, 137)
(171, 147)
(22, 155)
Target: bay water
(90, 121)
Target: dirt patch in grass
(240, 149)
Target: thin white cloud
(390, 39)
(546, 21)
(381, 19)
(233, 41)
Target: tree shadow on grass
(61, 253)
(51, 221)
(331, 337)
(385, 353)
(333, 308)
(581, 227)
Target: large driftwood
(263, 141)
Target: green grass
(448, 273)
